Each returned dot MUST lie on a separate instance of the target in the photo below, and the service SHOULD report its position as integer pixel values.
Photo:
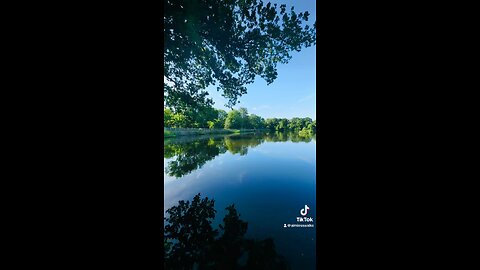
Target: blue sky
(292, 94)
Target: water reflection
(187, 154)
(191, 243)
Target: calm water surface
(269, 177)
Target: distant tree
(282, 124)
(221, 117)
(306, 121)
(208, 114)
(180, 121)
(167, 117)
(312, 127)
(234, 120)
(244, 118)
(209, 117)
(211, 124)
(200, 115)
(271, 123)
(256, 122)
(295, 124)
(227, 42)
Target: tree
(179, 121)
(306, 121)
(256, 122)
(199, 116)
(167, 117)
(244, 118)
(211, 124)
(282, 124)
(221, 116)
(228, 43)
(295, 124)
(271, 123)
(234, 120)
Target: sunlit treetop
(226, 43)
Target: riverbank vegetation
(228, 44)
(212, 120)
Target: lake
(270, 177)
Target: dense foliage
(301, 125)
(226, 43)
(237, 119)
(204, 117)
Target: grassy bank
(176, 132)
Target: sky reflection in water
(268, 177)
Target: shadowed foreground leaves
(191, 243)
(227, 44)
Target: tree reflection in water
(191, 243)
(191, 153)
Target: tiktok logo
(304, 211)
(302, 220)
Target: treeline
(194, 117)
(235, 119)
(303, 126)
